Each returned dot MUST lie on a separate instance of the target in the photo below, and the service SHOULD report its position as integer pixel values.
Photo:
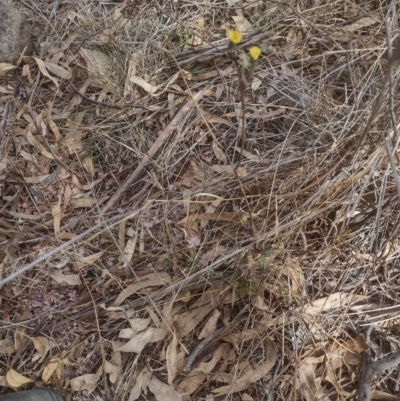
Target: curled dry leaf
(150, 280)
(6, 67)
(87, 163)
(242, 24)
(85, 382)
(127, 333)
(143, 84)
(54, 128)
(211, 208)
(218, 152)
(42, 67)
(129, 249)
(172, 359)
(138, 324)
(131, 73)
(3, 381)
(195, 378)
(70, 279)
(188, 320)
(50, 368)
(34, 142)
(56, 212)
(141, 384)
(7, 346)
(211, 325)
(335, 300)
(163, 391)
(58, 71)
(82, 261)
(214, 253)
(310, 388)
(221, 352)
(297, 276)
(191, 383)
(114, 366)
(137, 343)
(101, 68)
(251, 374)
(15, 379)
(42, 345)
(378, 395)
(229, 170)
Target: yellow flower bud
(255, 52)
(234, 36)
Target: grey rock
(14, 36)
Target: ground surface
(276, 250)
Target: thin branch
(152, 151)
(67, 244)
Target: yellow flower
(234, 36)
(255, 52)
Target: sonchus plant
(247, 60)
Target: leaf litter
(257, 273)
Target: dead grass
(292, 257)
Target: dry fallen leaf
(230, 170)
(297, 277)
(42, 67)
(87, 163)
(114, 366)
(145, 85)
(150, 280)
(171, 357)
(82, 261)
(129, 249)
(70, 279)
(101, 68)
(162, 391)
(335, 300)
(57, 70)
(54, 129)
(50, 368)
(191, 383)
(6, 67)
(218, 152)
(137, 343)
(7, 346)
(378, 395)
(252, 373)
(213, 253)
(56, 212)
(42, 345)
(15, 379)
(141, 384)
(211, 325)
(139, 324)
(131, 73)
(195, 378)
(187, 321)
(242, 24)
(309, 386)
(34, 142)
(85, 382)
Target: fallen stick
(152, 151)
(369, 369)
